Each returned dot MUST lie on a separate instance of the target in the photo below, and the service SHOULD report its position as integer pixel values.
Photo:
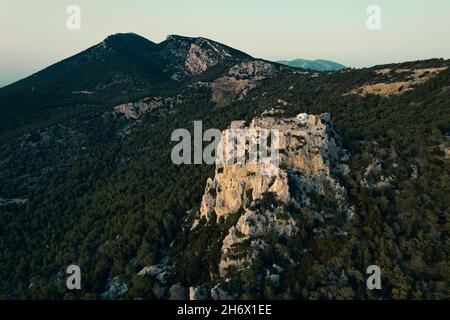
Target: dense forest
(99, 190)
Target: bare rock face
(115, 289)
(134, 110)
(219, 294)
(197, 293)
(226, 89)
(204, 54)
(240, 79)
(393, 87)
(255, 69)
(310, 162)
(178, 292)
(185, 57)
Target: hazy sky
(33, 33)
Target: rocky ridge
(134, 110)
(268, 203)
(184, 57)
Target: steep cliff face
(184, 56)
(135, 110)
(307, 153)
(309, 160)
(267, 210)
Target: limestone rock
(197, 293)
(240, 79)
(160, 271)
(305, 147)
(412, 78)
(309, 161)
(134, 110)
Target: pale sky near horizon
(33, 34)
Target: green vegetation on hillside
(113, 203)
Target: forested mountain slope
(96, 187)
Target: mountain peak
(126, 39)
(172, 37)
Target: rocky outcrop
(389, 84)
(204, 54)
(184, 57)
(266, 197)
(197, 293)
(373, 177)
(306, 148)
(255, 70)
(5, 202)
(135, 110)
(159, 271)
(219, 294)
(240, 79)
(178, 292)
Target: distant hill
(316, 65)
